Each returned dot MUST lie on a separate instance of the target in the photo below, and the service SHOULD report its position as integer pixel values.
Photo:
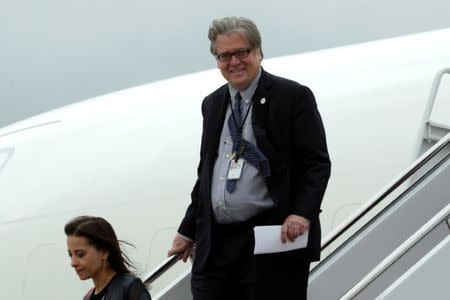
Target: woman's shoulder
(125, 280)
(127, 284)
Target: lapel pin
(263, 100)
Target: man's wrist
(185, 237)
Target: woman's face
(87, 260)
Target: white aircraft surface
(131, 156)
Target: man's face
(239, 72)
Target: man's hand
(180, 246)
(293, 227)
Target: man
(263, 161)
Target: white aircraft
(131, 156)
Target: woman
(95, 253)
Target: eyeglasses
(226, 57)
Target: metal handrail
(408, 244)
(161, 268)
(421, 161)
(403, 176)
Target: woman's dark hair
(101, 235)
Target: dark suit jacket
(289, 131)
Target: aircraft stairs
(397, 244)
(347, 272)
(380, 227)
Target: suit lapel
(260, 109)
(215, 121)
(262, 104)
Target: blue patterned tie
(249, 151)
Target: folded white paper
(268, 240)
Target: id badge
(235, 168)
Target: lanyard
(239, 126)
(238, 148)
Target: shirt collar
(246, 94)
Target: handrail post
(425, 131)
(432, 98)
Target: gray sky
(57, 52)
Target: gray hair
(228, 25)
